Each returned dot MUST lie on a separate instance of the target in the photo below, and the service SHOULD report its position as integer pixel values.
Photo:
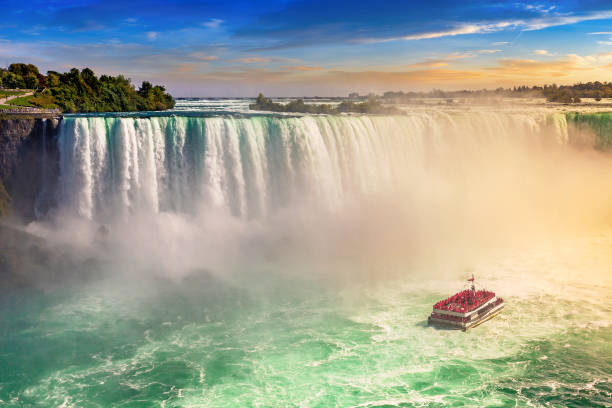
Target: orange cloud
(429, 64)
(404, 78)
(300, 68)
(424, 75)
(527, 68)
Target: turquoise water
(276, 340)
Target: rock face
(29, 164)
(27, 260)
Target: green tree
(30, 81)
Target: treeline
(298, 106)
(553, 93)
(21, 76)
(82, 91)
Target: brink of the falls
(253, 166)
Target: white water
(250, 167)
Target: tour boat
(466, 309)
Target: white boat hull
(473, 322)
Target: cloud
(442, 61)
(212, 23)
(397, 79)
(344, 77)
(202, 56)
(252, 60)
(245, 75)
(313, 80)
(433, 63)
(185, 68)
(203, 43)
(591, 60)
(539, 7)
(300, 23)
(526, 25)
(264, 60)
(528, 68)
(460, 30)
(561, 20)
(458, 55)
(301, 68)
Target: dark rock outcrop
(30, 261)
(29, 164)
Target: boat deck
(466, 309)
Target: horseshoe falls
(252, 167)
(212, 258)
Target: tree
(31, 81)
(12, 80)
(53, 79)
(90, 78)
(22, 69)
(145, 89)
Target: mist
(443, 192)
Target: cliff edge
(29, 164)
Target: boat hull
(464, 326)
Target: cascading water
(252, 166)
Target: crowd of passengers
(465, 301)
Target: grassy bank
(4, 94)
(599, 122)
(21, 101)
(41, 100)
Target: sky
(315, 48)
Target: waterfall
(253, 166)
